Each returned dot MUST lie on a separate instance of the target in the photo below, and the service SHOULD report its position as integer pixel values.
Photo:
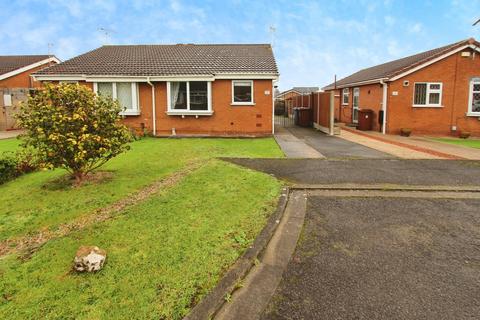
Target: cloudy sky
(313, 40)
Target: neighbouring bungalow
(183, 89)
(16, 82)
(296, 97)
(436, 92)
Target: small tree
(73, 128)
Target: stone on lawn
(89, 259)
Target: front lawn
(164, 253)
(39, 200)
(10, 144)
(472, 143)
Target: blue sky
(313, 39)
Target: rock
(89, 259)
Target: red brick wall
(23, 80)
(455, 73)
(227, 120)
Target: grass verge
(472, 143)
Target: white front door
(356, 97)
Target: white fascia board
(110, 78)
(29, 67)
(355, 84)
(248, 76)
(423, 65)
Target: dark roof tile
(12, 63)
(165, 60)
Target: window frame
(187, 111)
(427, 95)
(135, 109)
(345, 92)
(251, 103)
(470, 112)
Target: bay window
(189, 97)
(427, 94)
(474, 98)
(124, 92)
(242, 92)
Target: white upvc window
(345, 96)
(474, 98)
(427, 94)
(189, 97)
(242, 92)
(126, 93)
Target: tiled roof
(305, 90)
(11, 63)
(393, 68)
(166, 60)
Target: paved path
(294, 147)
(9, 134)
(414, 147)
(389, 148)
(335, 147)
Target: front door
(356, 97)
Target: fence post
(332, 113)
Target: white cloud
(416, 28)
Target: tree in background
(73, 128)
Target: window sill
(344, 104)
(189, 113)
(473, 114)
(426, 106)
(130, 113)
(242, 104)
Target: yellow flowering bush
(73, 128)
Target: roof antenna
(272, 35)
(49, 48)
(106, 34)
(476, 22)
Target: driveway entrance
(381, 239)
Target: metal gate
(283, 113)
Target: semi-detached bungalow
(436, 92)
(183, 89)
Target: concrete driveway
(298, 142)
(383, 257)
(335, 147)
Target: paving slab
(293, 147)
(383, 258)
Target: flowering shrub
(71, 127)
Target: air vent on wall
(406, 83)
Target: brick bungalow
(16, 81)
(183, 89)
(436, 92)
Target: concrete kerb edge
(386, 187)
(213, 301)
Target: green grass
(164, 253)
(472, 143)
(9, 145)
(35, 201)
